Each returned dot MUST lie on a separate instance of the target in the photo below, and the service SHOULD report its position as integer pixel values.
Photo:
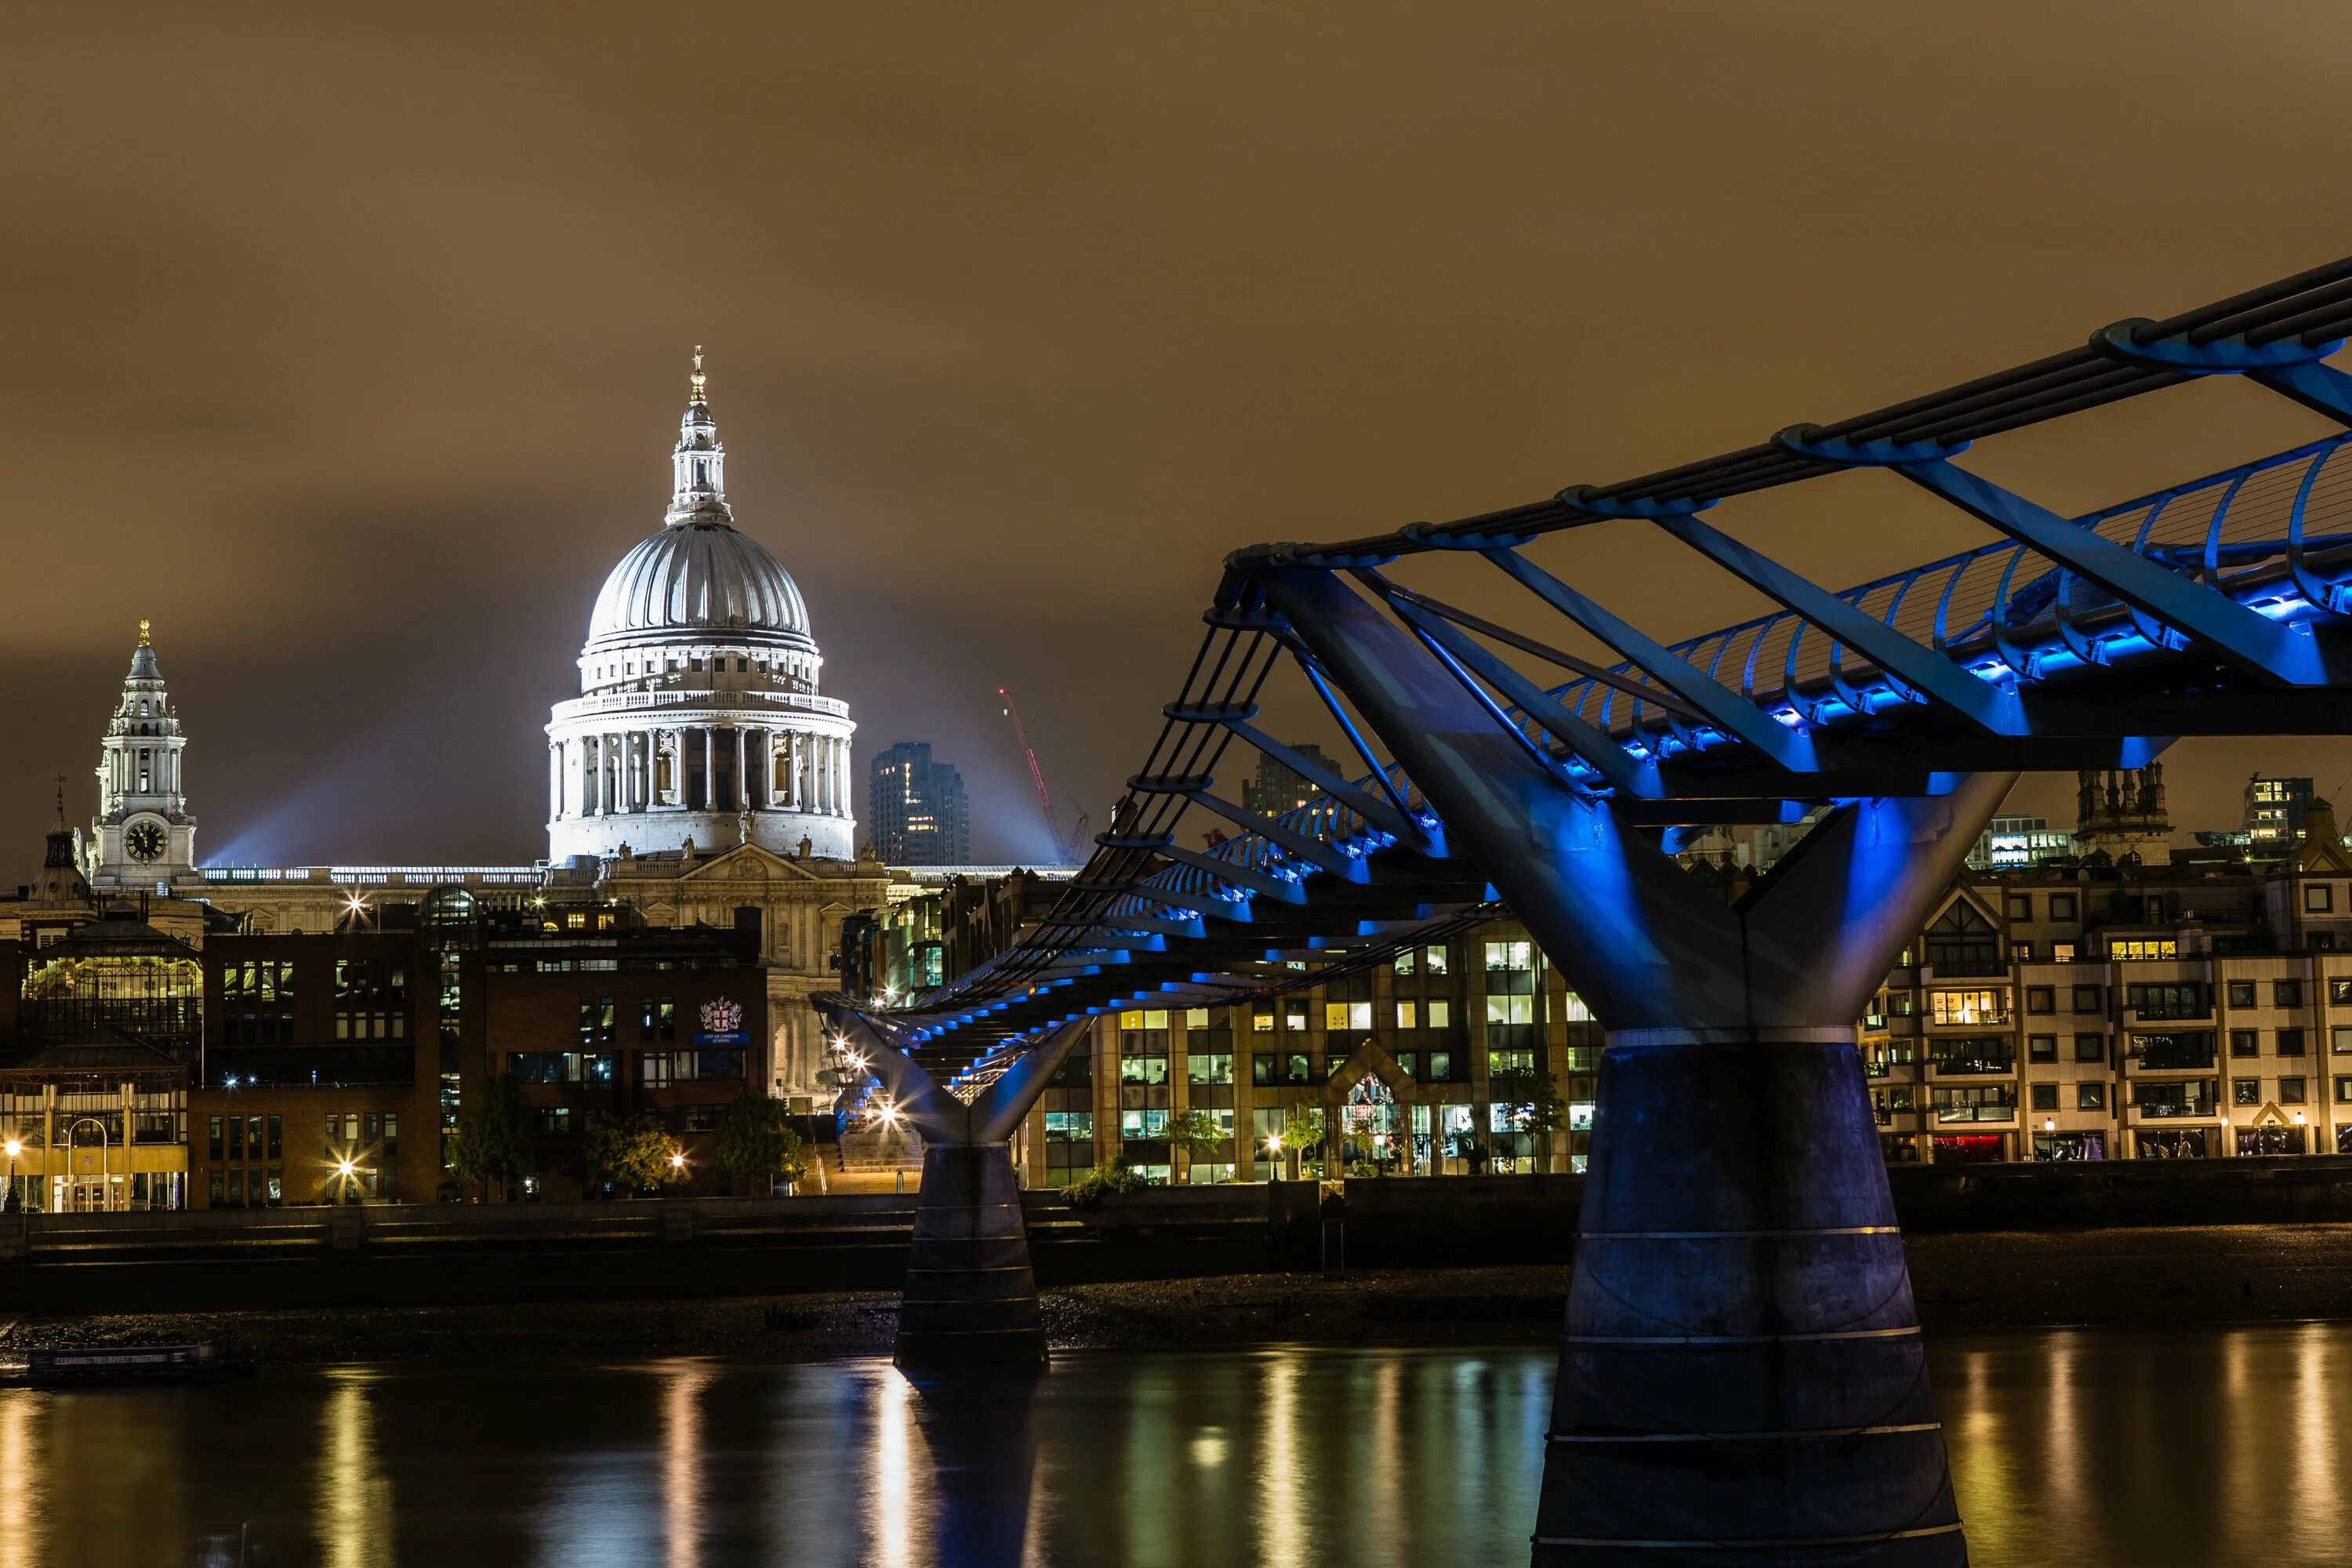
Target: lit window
(1440, 1013)
(1966, 1007)
(1510, 1009)
(1408, 1015)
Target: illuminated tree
(1302, 1128)
(1192, 1135)
(635, 1154)
(1531, 1100)
(758, 1146)
(493, 1143)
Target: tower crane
(1074, 849)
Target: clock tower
(144, 833)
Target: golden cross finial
(697, 378)
(142, 634)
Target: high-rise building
(1277, 789)
(2274, 810)
(917, 808)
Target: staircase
(879, 1150)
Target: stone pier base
(970, 1296)
(1742, 1380)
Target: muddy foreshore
(2138, 1278)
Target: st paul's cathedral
(699, 775)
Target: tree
(757, 1143)
(493, 1143)
(1532, 1102)
(1190, 1135)
(633, 1154)
(1302, 1128)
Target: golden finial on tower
(697, 378)
(142, 634)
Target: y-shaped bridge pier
(1741, 1375)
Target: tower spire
(697, 463)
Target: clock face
(145, 840)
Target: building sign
(723, 1024)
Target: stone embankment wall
(686, 1249)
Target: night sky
(350, 347)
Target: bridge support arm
(1741, 1378)
(970, 1296)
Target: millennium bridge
(1741, 1377)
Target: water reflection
(979, 1436)
(2217, 1447)
(20, 1493)
(350, 1509)
(2213, 1446)
(682, 1462)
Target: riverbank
(2138, 1278)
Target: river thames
(2211, 1447)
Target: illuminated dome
(697, 574)
(700, 575)
(700, 723)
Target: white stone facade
(143, 835)
(699, 722)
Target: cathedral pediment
(748, 863)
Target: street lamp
(12, 1147)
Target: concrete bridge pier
(1741, 1378)
(970, 1297)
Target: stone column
(742, 769)
(709, 768)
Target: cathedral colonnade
(698, 767)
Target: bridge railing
(1984, 607)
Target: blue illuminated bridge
(1741, 1377)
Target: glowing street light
(887, 1112)
(677, 1162)
(13, 1147)
(346, 1168)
